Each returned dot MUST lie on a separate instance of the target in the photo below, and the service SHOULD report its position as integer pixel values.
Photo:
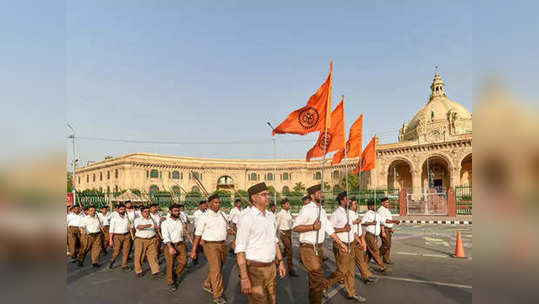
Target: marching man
(175, 251)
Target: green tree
(353, 182)
(69, 181)
(299, 187)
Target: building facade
(434, 152)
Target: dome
(440, 114)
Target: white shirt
(184, 217)
(156, 218)
(357, 227)
(369, 217)
(138, 213)
(338, 220)
(234, 215)
(284, 220)
(145, 233)
(211, 226)
(119, 224)
(197, 215)
(105, 219)
(172, 230)
(74, 220)
(307, 216)
(90, 224)
(132, 215)
(257, 236)
(385, 214)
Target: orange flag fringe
(354, 143)
(368, 157)
(315, 116)
(335, 135)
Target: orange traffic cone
(459, 250)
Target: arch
(195, 189)
(286, 189)
(225, 180)
(253, 176)
(465, 174)
(176, 190)
(401, 158)
(286, 176)
(154, 188)
(438, 176)
(399, 174)
(175, 175)
(269, 176)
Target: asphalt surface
(424, 272)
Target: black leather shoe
(139, 275)
(293, 274)
(389, 262)
(126, 269)
(172, 288)
(80, 264)
(110, 265)
(95, 265)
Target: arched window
(286, 189)
(318, 175)
(336, 174)
(100, 176)
(175, 175)
(108, 174)
(269, 176)
(78, 180)
(108, 189)
(253, 176)
(93, 177)
(176, 190)
(116, 188)
(195, 189)
(154, 174)
(154, 188)
(116, 173)
(87, 178)
(225, 180)
(285, 176)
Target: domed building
(434, 151)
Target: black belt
(214, 242)
(95, 233)
(371, 233)
(176, 244)
(311, 245)
(138, 237)
(121, 233)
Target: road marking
(423, 254)
(424, 282)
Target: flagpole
(346, 179)
(324, 157)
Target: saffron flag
(354, 143)
(368, 157)
(315, 116)
(333, 140)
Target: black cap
(314, 189)
(341, 196)
(255, 189)
(212, 197)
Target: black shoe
(372, 280)
(195, 262)
(110, 265)
(80, 264)
(95, 265)
(293, 274)
(126, 269)
(219, 300)
(158, 275)
(172, 288)
(139, 275)
(389, 262)
(74, 260)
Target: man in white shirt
(120, 237)
(146, 243)
(235, 212)
(311, 224)
(131, 213)
(211, 230)
(202, 208)
(157, 219)
(371, 222)
(284, 228)
(90, 230)
(183, 215)
(104, 218)
(306, 199)
(272, 208)
(388, 222)
(342, 221)
(175, 251)
(73, 232)
(257, 248)
(359, 246)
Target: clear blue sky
(197, 71)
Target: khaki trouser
(263, 284)
(146, 249)
(216, 255)
(313, 265)
(286, 238)
(373, 251)
(73, 240)
(345, 270)
(385, 249)
(121, 242)
(360, 257)
(93, 242)
(105, 237)
(180, 257)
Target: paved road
(423, 272)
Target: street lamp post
(74, 161)
(274, 168)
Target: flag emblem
(328, 136)
(308, 118)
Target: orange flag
(368, 157)
(335, 135)
(354, 143)
(312, 117)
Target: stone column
(416, 183)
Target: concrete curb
(437, 222)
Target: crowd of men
(256, 231)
